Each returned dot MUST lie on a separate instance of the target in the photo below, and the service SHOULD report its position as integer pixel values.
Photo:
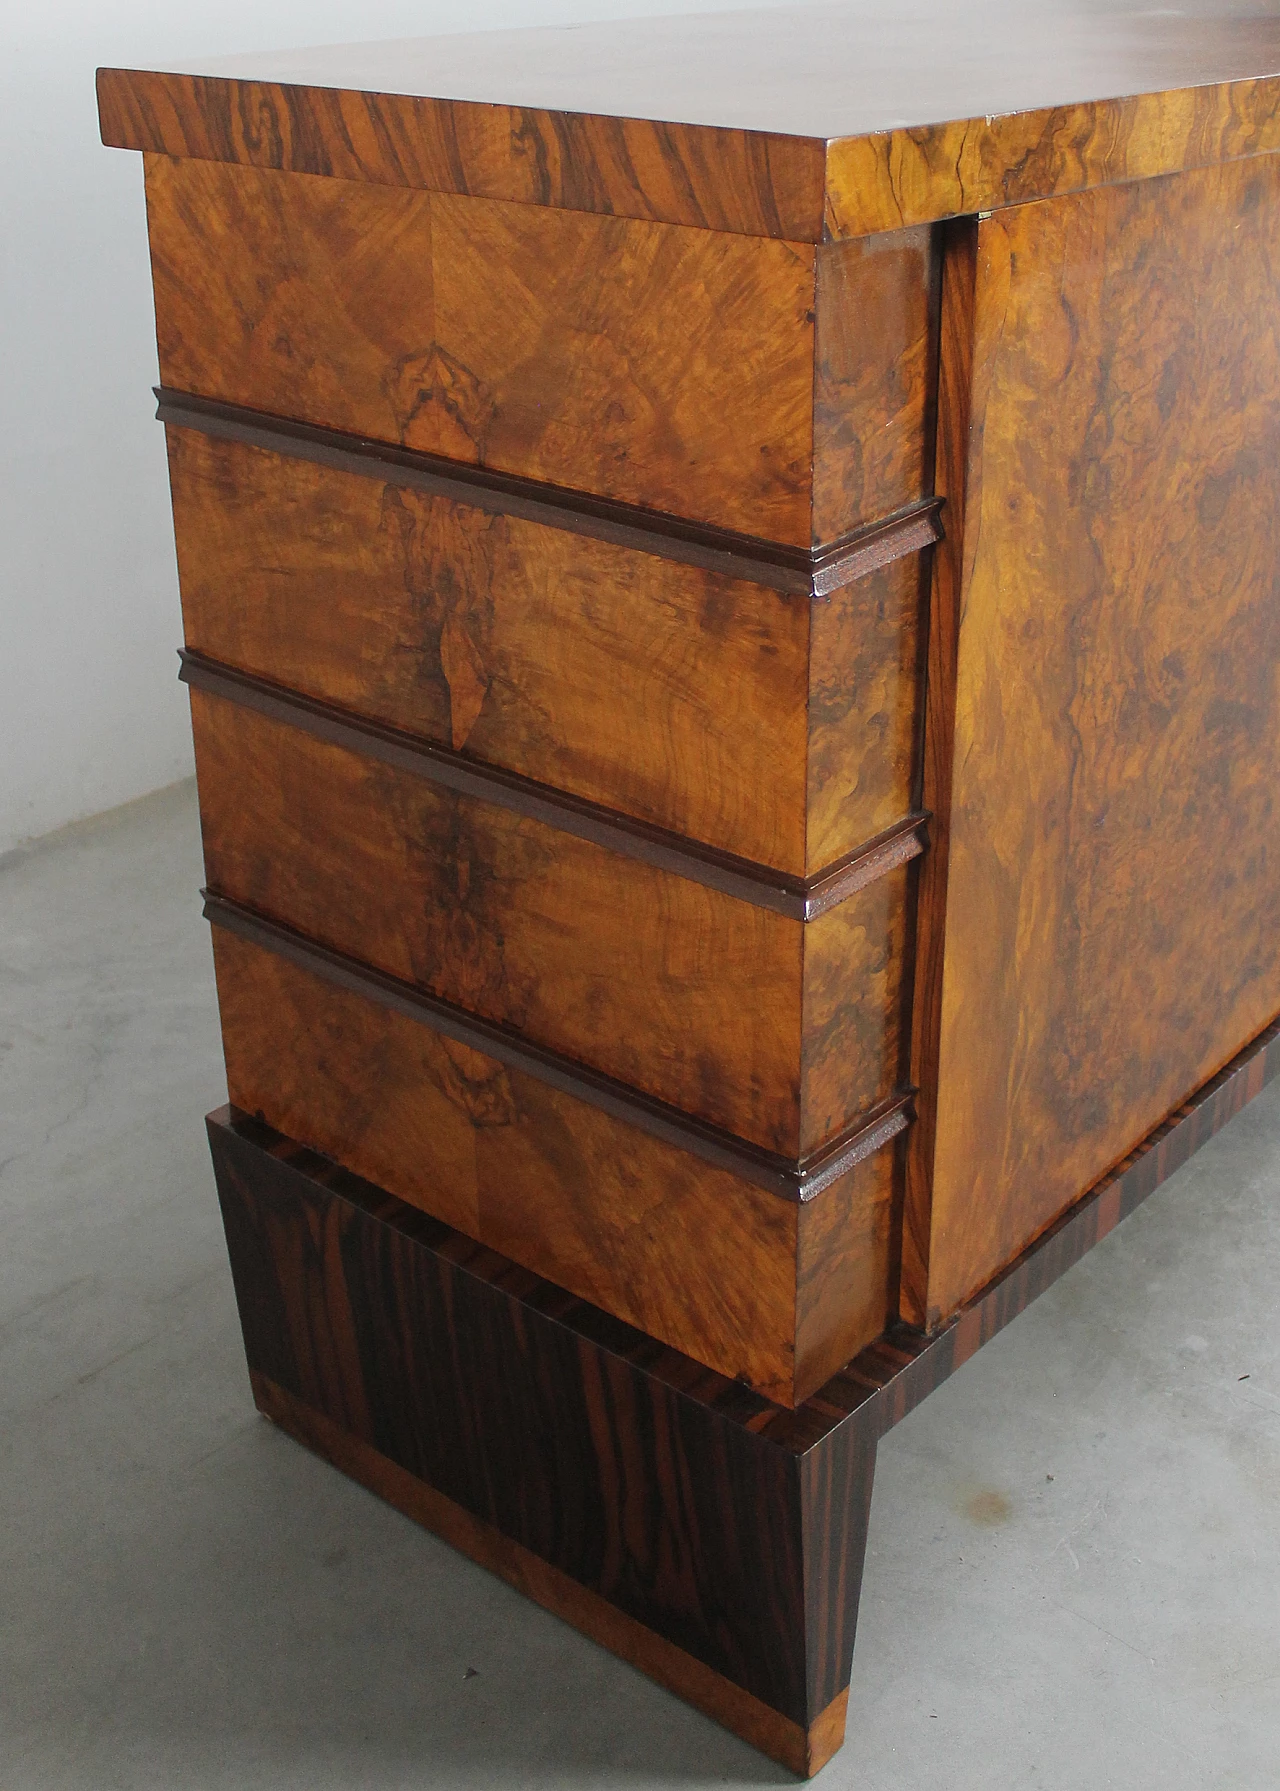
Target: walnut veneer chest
(729, 575)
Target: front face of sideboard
(554, 591)
(525, 700)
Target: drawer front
(676, 989)
(653, 363)
(753, 1285)
(670, 693)
(767, 387)
(783, 730)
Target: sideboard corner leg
(837, 1476)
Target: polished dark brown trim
(798, 898)
(897, 845)
(792, 570)
(795, 1179)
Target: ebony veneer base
(712, 1538)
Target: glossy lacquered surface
(800, 122)
(703, 374)
(731, 620)
(1112, 907)
(764, 724)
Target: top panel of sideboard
(808, 122)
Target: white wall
(91, 713)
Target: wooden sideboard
(730, 574)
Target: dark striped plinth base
(712, 1538)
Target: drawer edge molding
(796, 1179)
(796, 898)
(793, 571)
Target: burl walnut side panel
(1113, 905)
(749, 383)
(759, 1287)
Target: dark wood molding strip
(790, 570)
(897, 845)
(878, 544)
(798, 898)
(794, 1179)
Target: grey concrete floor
(1074, 1571)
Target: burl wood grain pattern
(778, 729)
(757, 1286)
(813, 132)
(747, 182)
(663, 366)
(782, 1033)
(666, 985)
(934, 171)
(677, 369)
(875, 378)
(1112, 914)
(671, 693)
(857, 987)
(866, 691)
